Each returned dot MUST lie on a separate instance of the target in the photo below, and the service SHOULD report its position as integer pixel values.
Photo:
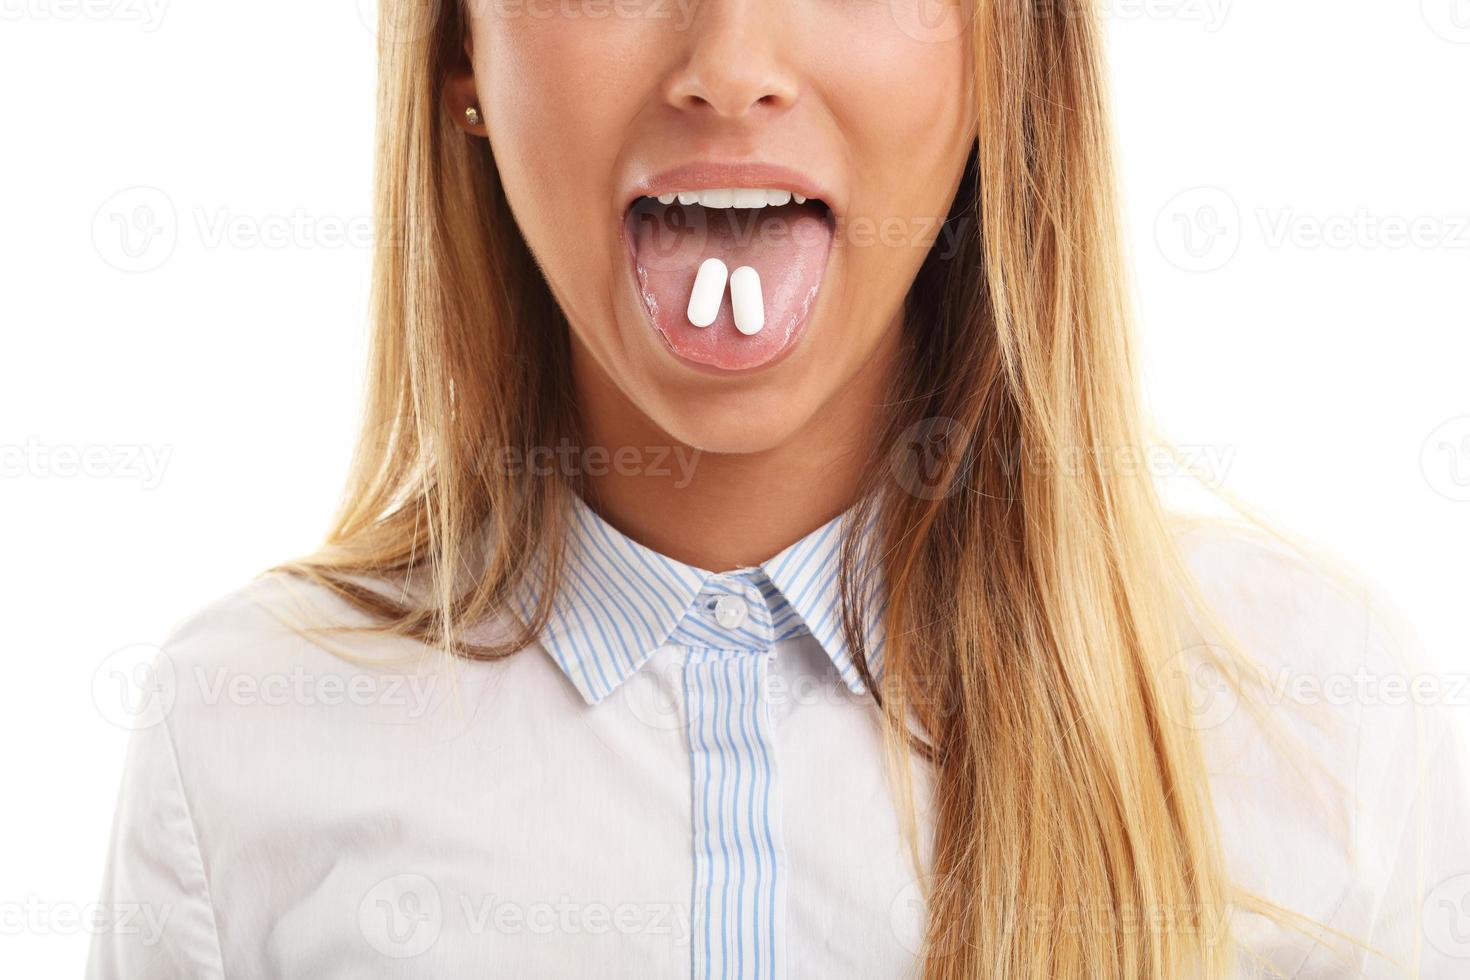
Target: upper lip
(703, 175)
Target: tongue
(787, 247)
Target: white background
(1276, 155)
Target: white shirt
(685, 779)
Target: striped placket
(738, 899)
(618, 603)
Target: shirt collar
(619, 602)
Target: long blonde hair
(1032, 600)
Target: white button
(730, 611)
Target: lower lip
(720, 348)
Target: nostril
(728, 87)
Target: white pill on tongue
(708, 292)
(747, 300)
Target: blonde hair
(1032, 608)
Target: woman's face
(596, 109)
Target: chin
(732, 423)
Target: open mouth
(729, 275)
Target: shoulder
(1285, 602)
(278, 620)
(1314, 645)
(1320, 642)
(1323, 725)
(1301, 618)
(286, 651)
(220, 713)
(282, 697)
(276, 663)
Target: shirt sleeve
(1423, 916)
(155, 888)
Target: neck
(721, 511)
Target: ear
(461, 98)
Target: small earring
(472, 115)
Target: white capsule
(708, 292)
(747, 300)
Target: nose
(734, 66)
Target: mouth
(728, 275)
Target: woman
(747, 570)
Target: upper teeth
(733, 197)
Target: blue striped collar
(619, 602)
